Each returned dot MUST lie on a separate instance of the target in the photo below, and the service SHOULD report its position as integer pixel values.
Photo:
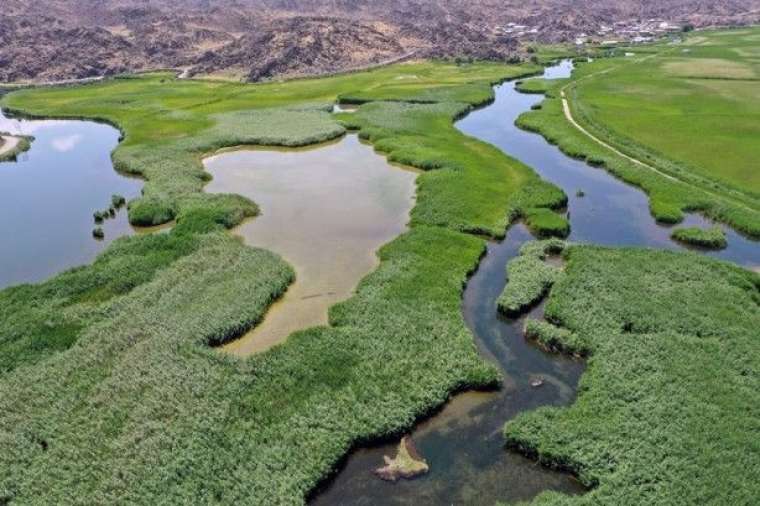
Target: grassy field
(691, 110)
(670, 197)
(169, 124)
(530, 277)
(111, 393)
(713, 237)
(667, 410)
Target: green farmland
(691, 110)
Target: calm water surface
(326, 210)
(463, 443)
(49, 194)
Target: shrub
(529, 277)
(546, 223)
(118, 201)
(713, 237)
(555, 339)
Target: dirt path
(569, 117)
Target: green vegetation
(535, 85)
(169, 124)
(98, 233)
(689, 110)
(118, 201)
(177, 412)
(469, 181)
(548, 53)
(713, 237)
(100, 216)
(667, 410)
(555, 339)
(125, 403)
(546, 223)
(34, 316)
(530, 276)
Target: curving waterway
(463, 443)
(48, 196)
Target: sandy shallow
(8, 144)
(326, 210)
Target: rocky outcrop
(65, 39)
(407, 464)
(302, 46)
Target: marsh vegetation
(115, 395)
(713, 237)
(298, 408)
(659, 326)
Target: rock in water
(407, 464)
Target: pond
(49, 195)
(326, 210)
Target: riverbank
(692, 93)
(326, 210)
(49, 195)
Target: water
(463, 443)
(49, 195)
(326, 210)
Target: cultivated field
(693, 107)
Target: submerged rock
(407, 464)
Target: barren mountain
(288, 46)
(44, 40)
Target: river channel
(463, 443)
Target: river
(463, 443)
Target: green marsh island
(408, 274)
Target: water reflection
(49, 194)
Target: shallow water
(49, 194)
(463, 443)
(326, 210)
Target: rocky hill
(49, 40)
